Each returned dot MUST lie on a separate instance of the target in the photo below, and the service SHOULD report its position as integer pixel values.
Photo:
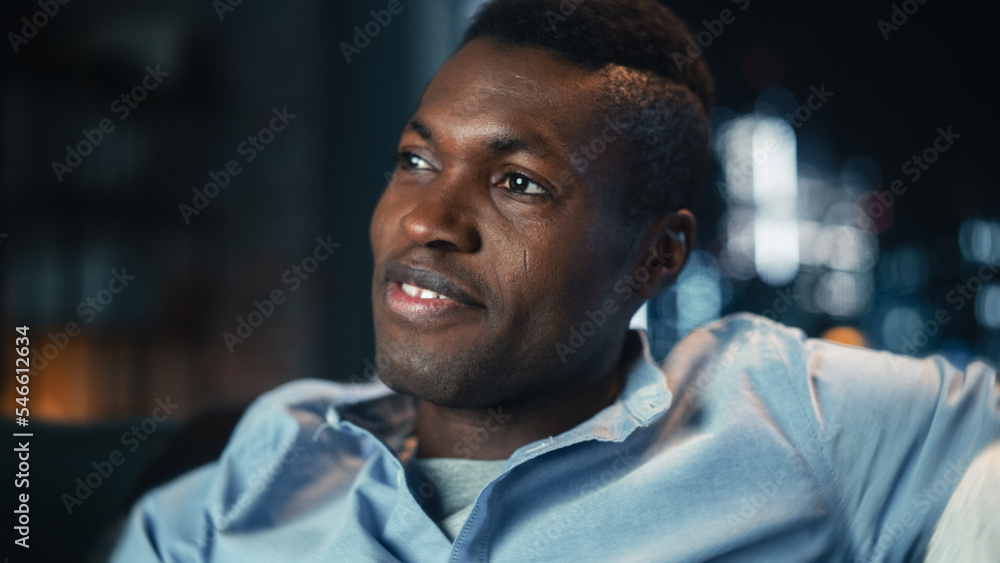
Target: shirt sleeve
(897, 434)
(169, 523)
(180, 521)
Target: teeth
(414, 291)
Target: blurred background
(167, 167)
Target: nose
(442, 216)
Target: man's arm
(169, 523)
(969, 529)
(899, 434)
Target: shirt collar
(643, 400)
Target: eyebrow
(498, 144)
(420, 129)
(507, 145)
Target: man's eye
(521, 184)
(410, 161)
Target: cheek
(558, 279)
(566, 259)
(587, 274)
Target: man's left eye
(411, 161)
(521, 184)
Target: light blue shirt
(751, 443)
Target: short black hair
(658, 94)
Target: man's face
(489, 245)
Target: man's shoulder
(755, 335)
(283, 422)
(744, 345)
(746, 328)
(769, 360)
(279, 444)
(734, 340)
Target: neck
(496, 432)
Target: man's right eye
(410, 161)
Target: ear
(664, 250)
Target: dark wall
(199, 260)
(104, 353)
(127, 294)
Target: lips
(419, 294)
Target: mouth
(421, 295)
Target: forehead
(485, 88)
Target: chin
(444, 391)
(473, 375)
(456, 381)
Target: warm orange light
(64, 390)
(845, 335)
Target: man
(539, 199)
